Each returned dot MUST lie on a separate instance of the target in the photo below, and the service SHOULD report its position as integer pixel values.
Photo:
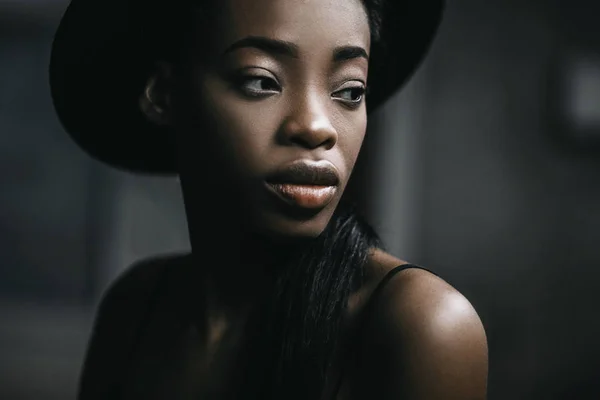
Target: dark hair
(374, 11)
(308, 307)
(297, 339)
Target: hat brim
(98, 70)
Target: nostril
(313, 142)
(316, 133)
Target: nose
(308, 125)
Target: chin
(303, 226)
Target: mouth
(305, 184)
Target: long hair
(308, 305)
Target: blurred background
(486, 169)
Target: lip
(305, 184)
(304, 196)
(306, 172)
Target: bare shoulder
(429, 335)
(118, 317)
(139, 278)
(417, 290)
(123, 302)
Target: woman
(261, 109)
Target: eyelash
(253, 93)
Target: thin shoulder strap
(368, 311)
(381, 285)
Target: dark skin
(255, 107)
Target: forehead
(308, 23)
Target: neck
(236, 268)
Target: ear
(155, 100)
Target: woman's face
(273, 105)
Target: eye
(257, 86)
(351, 95)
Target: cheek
(242, 130)
(351, 142)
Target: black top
(154, 304)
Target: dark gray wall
(465, 176)
(492, 200)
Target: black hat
(99, 67)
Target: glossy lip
(305, 184)
(310, 197)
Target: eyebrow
(268, 45)
(345, 53)
(289, 49)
